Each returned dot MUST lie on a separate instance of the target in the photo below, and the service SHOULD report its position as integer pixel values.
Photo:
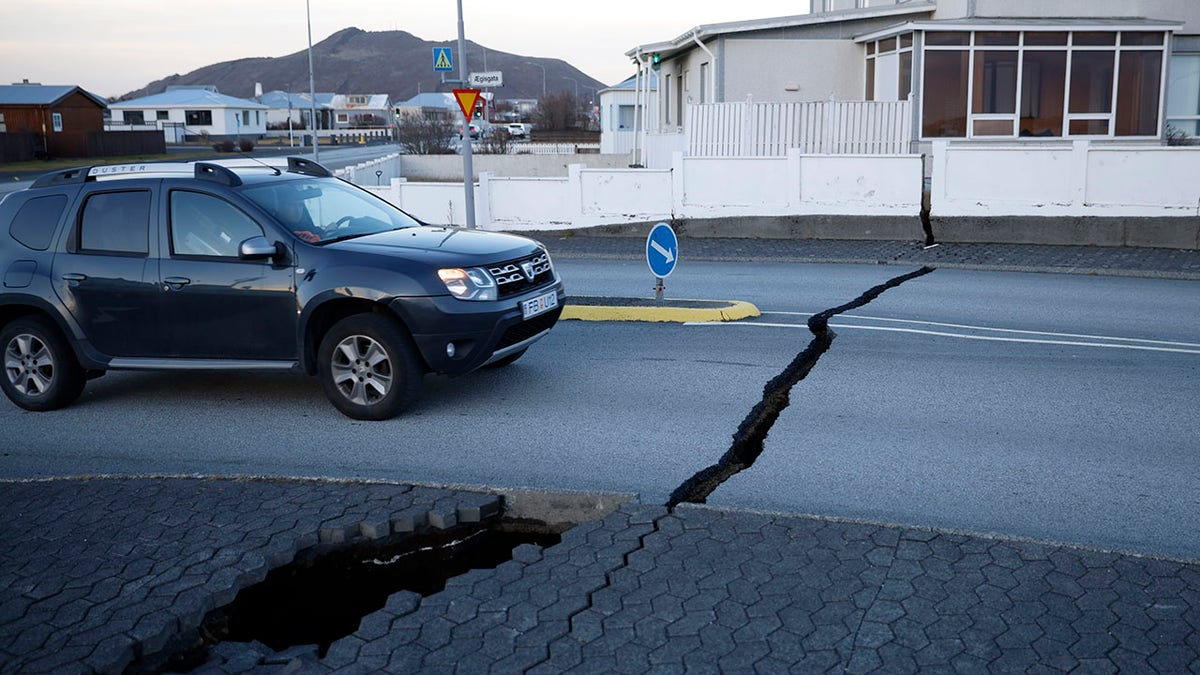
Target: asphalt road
(1046, 406)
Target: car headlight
(472, 283)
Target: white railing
(750, 129)
(551, 148)
(375, 172)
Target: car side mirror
(256, 248)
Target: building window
(3, 126)
(198, 118)
(343, 118)
(162, 115)
(134, 117)
(624, 117)
(1183, 102)
(667, 106)
(56, 121)
(245, 118)
(1042, 83)
(257, 119)
(889, 68)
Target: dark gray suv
(208, 266)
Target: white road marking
(986, 338)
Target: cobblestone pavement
(1138, 262)
(98, 573)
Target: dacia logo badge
(527, 269)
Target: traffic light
(657, 58)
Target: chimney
(258, 89)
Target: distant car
(516, 130)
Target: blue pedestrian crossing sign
(443, 62)
(662, 250)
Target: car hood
(443, 245)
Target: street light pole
(543, 78)
(312, 86)
(468, 167)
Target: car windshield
(322, 210)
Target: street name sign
(493, 78)
(662, 250)
(443, 60)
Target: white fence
(1075, 179)
(792, 185)
(379, 171)
(750, 129)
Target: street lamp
(543, 78)
(312, 87)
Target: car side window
(35, 223)
(116, 222)
(204, 225)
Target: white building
(192, 113)
(619, 121)
(360, 111)
(1023, 70)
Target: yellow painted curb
(733, 311)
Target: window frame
(875, 49)
(1118, 47)
(200, 114)
(56, 121)
(76, 239)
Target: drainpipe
(712, 58)
(637, 113)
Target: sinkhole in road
(323, 599)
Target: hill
(354, 61)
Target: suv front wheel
(369, 368)
(40, 370)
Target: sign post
(662, 253)
(468, 170)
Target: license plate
(537, 305)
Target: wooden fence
(750, 129)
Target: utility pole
(468, 168)
(312, 87)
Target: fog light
(450, 349)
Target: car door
(217, 305)
(106, 274)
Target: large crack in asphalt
(748, 442)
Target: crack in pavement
(752, 433)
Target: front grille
(511, 278)
(527, 329)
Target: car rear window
(116, 222)
(35, 223)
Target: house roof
(278, 100)
(431, 99)
(1084, 24)
(39, 94)
(189, 96)
(687, 40)
(630, 83)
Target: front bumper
(480, 331)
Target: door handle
(175, 283)
(72, 277)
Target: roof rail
(217, 173)
(307, 167)
(63, 177)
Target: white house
(299, 107)
(360, 111)
(190, 113)
(619, 121)
(1023, 70)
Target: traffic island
(593, 308)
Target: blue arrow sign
(443, 61)
(662, 250)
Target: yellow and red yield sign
(467, 98)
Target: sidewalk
(114, 573)
(1135, 262)
(106, 574)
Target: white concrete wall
(819, 69)
(1077, 179)
(798, 184)
(450, 167)
(1187, 11)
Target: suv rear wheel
(40, 370)
(368, 367)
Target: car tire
(500, 363)
(369, 367)
(40, 370)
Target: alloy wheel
(361, 369)
(29, 364)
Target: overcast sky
(111, 47)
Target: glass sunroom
(1010, 79)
